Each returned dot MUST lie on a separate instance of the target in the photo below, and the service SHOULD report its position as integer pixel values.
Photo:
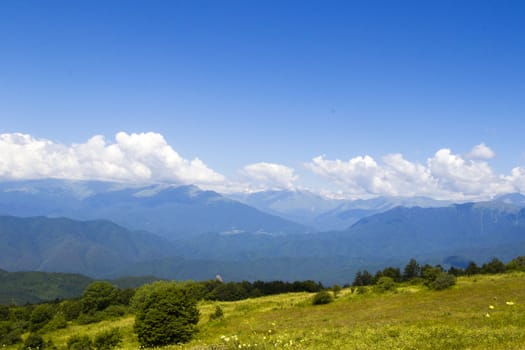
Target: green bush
(114, 311)
(385, 284)
(71, 309)
(58, 322)
(443, 281)
(98, 296)
(494, 266)
(9, 333)
(360, 290)
(167, 316)
(79, 342)
(40, 316)
(4, 313)
(195, 290)
(517, 264)
(336, 289)
(108, 340)
(34, 342)
(218, 314)
(90, 318)
(322, 297)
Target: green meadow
(479, 312)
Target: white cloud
(517, 179)
(469, 177)
(481, 151)
(148, 158)
(444, 176)
(144, 157)
(269, 176)
(359, 175)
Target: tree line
(435, 277)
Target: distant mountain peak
(515, 198)
(169, 210)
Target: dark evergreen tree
(412, 270)
(493, 266)
(392, 272)
(363, 278)
(517, 264)
(472, 269)
(456, 271)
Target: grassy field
(481, 312)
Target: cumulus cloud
(148, 158)
(269, 176)
(481, 151)
(469, 177)
(444, 176)
(144, 157)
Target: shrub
(98, 296)
(385, 284)
(34, 341)
(58, 322)
(193, 289)
(90, 318)
(517, 264)
(360, 290)
(336, 289)
(4, 313)
(108, 340)
(40, 316)
(493, 266)
(113, 311)
(124, 296)
(79, 342)
(429, 273)
(167, 316)
(71, 309)
(322, 297)
(442, 281)
(9, 333)
(217, 314)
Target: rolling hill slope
(94, 248)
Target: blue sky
(237, 83)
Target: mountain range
(325, 214)
(169, 211)
(186, 233)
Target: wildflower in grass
(510, 303)
(487, 315)
(491, 307)
(225, 339)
